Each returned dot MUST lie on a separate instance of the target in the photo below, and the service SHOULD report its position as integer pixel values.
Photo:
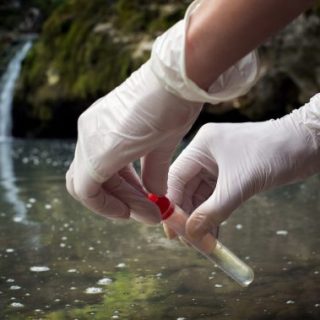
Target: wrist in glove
(168, 61)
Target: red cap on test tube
(163, 203)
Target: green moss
(126, 291)
(130, 17)
(165, 21)
(73, 64)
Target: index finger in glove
(115, 198)
(90, 193)
(93, 196)
(124, 187)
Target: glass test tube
(211, 248)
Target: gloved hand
(139, 119)
(145, 117)
(225, 164)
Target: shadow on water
(65, 263)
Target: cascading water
(7, 89)
(7, 174)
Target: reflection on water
(64, 263)
(8, 183)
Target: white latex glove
(145, 117)
(137, 119)
(225, 164)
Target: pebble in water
(290, 302)
(93, 290)
(121, 265)
(239, 226)
(39, 268)
(15, 287)
(10, 280)
(181, 318)
(48, 206)
(105, 281)
(282, 232)
(217, 285)
(16, 305)
(72, 270)
(9, 250)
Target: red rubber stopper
(163, 203)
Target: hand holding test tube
(209, 247)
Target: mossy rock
(85, 49)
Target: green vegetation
(85, 49)
(125, 293)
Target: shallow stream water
(59, 261)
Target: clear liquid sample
(212, 249)
(228, 262)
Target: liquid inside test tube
(211, 248)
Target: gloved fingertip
(117, 211)
(149, 220)
(147, 213)
(156, 187)
(124, 216)
(170, 234)
(197, 226)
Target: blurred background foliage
(85, 48)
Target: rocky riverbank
(86, 48)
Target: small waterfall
(7, 174)
(7, 89)
(8, 181)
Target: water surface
(58, 261)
